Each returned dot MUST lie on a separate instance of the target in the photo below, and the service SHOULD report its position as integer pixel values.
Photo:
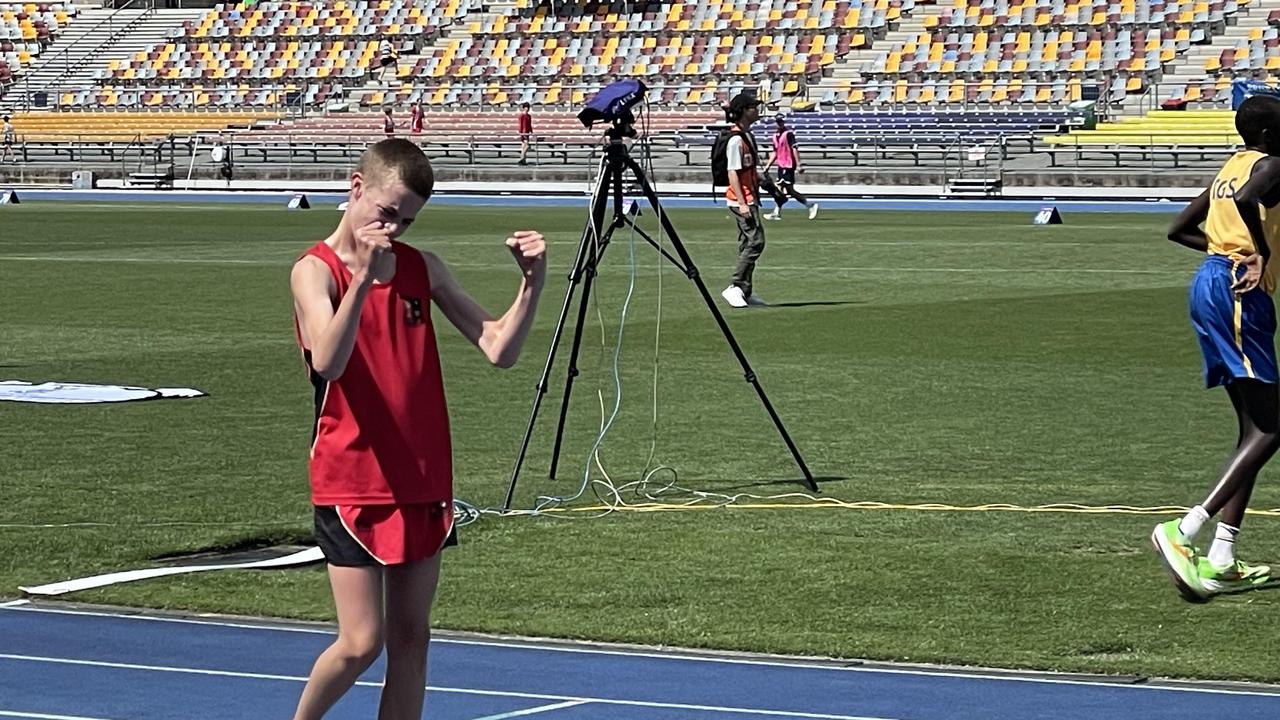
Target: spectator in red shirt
(526, 132)
(388, 125)
(415, 119)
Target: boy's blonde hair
(398, 159)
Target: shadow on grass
(1264, 587)
(796, 484)
(816, 303)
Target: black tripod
(595, 240)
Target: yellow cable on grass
(831, 503)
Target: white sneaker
(775, 215)
(733, 295)
(755, 300)
(813, 211)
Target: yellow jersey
(1227, 233)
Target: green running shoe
(1180, 560)
(1236, 576)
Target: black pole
(692, 271)
(595, 238)
(575, 276)
(599, 241)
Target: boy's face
(388, 202)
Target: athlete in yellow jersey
(1235, 320)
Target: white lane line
(44, 716)
(828, 666)
(460, 691)
(533, 710)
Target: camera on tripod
(613, 105)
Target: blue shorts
(1237, 333)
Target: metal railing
(976, 95)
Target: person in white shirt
(765, 89)
(386, 59)
(742, 198)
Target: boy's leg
(411, 588)
(750, 247)
(791, 190)
(1220, 571)
(1258, 409)
(1233, 510)
(779, 196)
(1258, 413)
(357, 596)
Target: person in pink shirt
(786, 155)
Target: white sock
(1223, 551)
(1193, 522)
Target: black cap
(742, 101)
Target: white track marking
(460, 691)
(533, 710)
(44, 716)
(828, 665)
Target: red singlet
(382, 428)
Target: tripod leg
(591, 266)
(692, 271)
(585, 249)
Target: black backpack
(720, 156)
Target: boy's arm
(1263, 180)
(735, 182)
(1186, 229)
(734, 150)
(330, 334)
(500, 339)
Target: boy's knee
(409, 640)
(1265, 440)
(1272, 440)
(361, 647)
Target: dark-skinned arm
(1186, 229)
(1263, 180)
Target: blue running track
(59, 663)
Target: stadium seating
(1160, 134)
(123, 126)
(25, 30)
(915, 132)
(480, 126)
(1044, 51)
(258, 56)
(696, 53)
(469, 136)
(692, 53)
(1258, 57)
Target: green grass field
(949, 358)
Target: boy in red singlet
(381, 466)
